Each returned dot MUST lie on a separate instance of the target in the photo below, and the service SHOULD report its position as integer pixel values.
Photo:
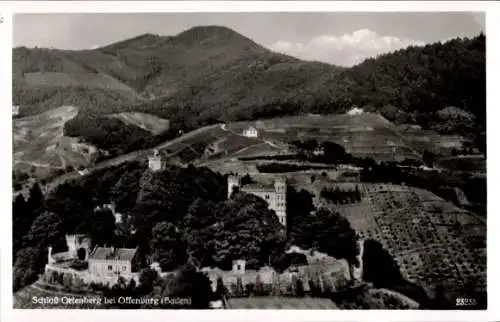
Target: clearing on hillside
(40, 144)
(145, 121)
(75, 79)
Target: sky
(343, 39)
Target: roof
(124, 254)
(257, 186)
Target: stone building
(156, 162)
(105, 265)
(110, 261)
(274, 195)
(78, 246)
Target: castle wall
(85, 276)
(109, 267)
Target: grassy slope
(145, 121)
(210, 73)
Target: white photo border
(8, 8)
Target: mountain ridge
(211, 74)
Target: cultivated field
(361, 135)
(431, 239)
(148, 122)
(39, 142)
(214, 144)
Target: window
(267, 197)
(238, 267)
(110, 267)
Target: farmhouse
(275, 194)
(251, 132)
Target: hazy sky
(337, 38)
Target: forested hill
(209, 74)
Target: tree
(379, 267)
(333, 152)
(26, 267)
(299, 288)
(189, 284)
(102, 227)
(244, 228)
(22, 218)
(220, 289)
(168, 247)
(46, 230)
(36, 198)
(334, 235)
(147, 279)
(428, 158)
(74, 205)
(299, 206)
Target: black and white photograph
(249, 160)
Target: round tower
(233, 181)
(155, 161)
(77, 242)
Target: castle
(105, 264)
(275, 194)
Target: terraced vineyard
(361, 135)
(431, 239)
(214, 143)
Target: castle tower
(77, 242)
(280, 188)
(155, 162)
(239, 266)
(50, 259)
(232, 182)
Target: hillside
(40, 146)
(147, 122)
(211, 74)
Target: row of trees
(339, 196)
